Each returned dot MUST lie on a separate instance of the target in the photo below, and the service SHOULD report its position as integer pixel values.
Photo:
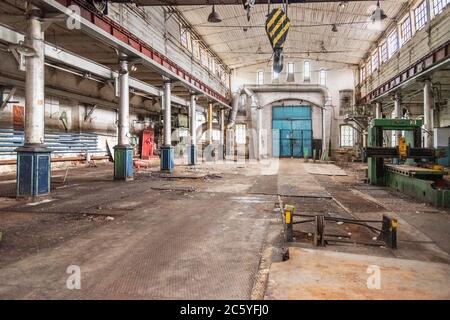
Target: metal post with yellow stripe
(277, 28)
(288, 222)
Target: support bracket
(90, 112)
(4, 102)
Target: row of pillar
(34, 159)
(428, 101)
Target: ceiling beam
(220, 2)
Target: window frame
(260, 76)
(423, 19)
(351, 134)
(405, 38)
(323, 75)
(439, 6)
(306, 75)
(293, 68)
(391, 42)
(384, 52)
(240, 129)
(375, 60)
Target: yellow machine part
(402, 148)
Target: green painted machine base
(422, 190)
(123, 163)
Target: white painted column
(259, 129)
(427, 113)
(167, 114)
(398, 114)
(210, 126)
(222, 126)
(398, 106)
(124, 103)
(193, 119)
(378, 110)
(34, 79)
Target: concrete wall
(165, 38)
(73, 95)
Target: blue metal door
(291, 131)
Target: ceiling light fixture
(378, 14)
(343, 5)
(214, 16)
(334, 28)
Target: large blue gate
(291, 131)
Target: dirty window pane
(347, 138)
(240, 134)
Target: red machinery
(148, 144)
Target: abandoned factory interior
(224, 150)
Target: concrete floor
(202, 234)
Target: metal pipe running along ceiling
(222, 2)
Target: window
(439, 5)
(363, 73)
(406, 30)
(368, 68)
(347, 137)
(240, 134)
(204, 57)
(290, 72)
(212, 65)
(375, 61)
(384, 52)
(307, 71)
(196, 49)
(392, 43)
(322, 77)
(184, 37)
(275, 76)
(290, 68)
(260, 77)
(421, 15)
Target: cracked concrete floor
(190, 237)
(197, 235)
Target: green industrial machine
(407, 168)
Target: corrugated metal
(59, 143)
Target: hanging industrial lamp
(378, 14)
(214, 16)
(334, 28)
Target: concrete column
(427, 113)
(33, 159)
(123, 152)
(222, 135)
(378, 110)
(398, 106)
(167, 151)
(192, 148)
(34, 80)
(222, 126)
(258, 131)
(398, 114)
(124, 103)
(210, 116)
(167, 114)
